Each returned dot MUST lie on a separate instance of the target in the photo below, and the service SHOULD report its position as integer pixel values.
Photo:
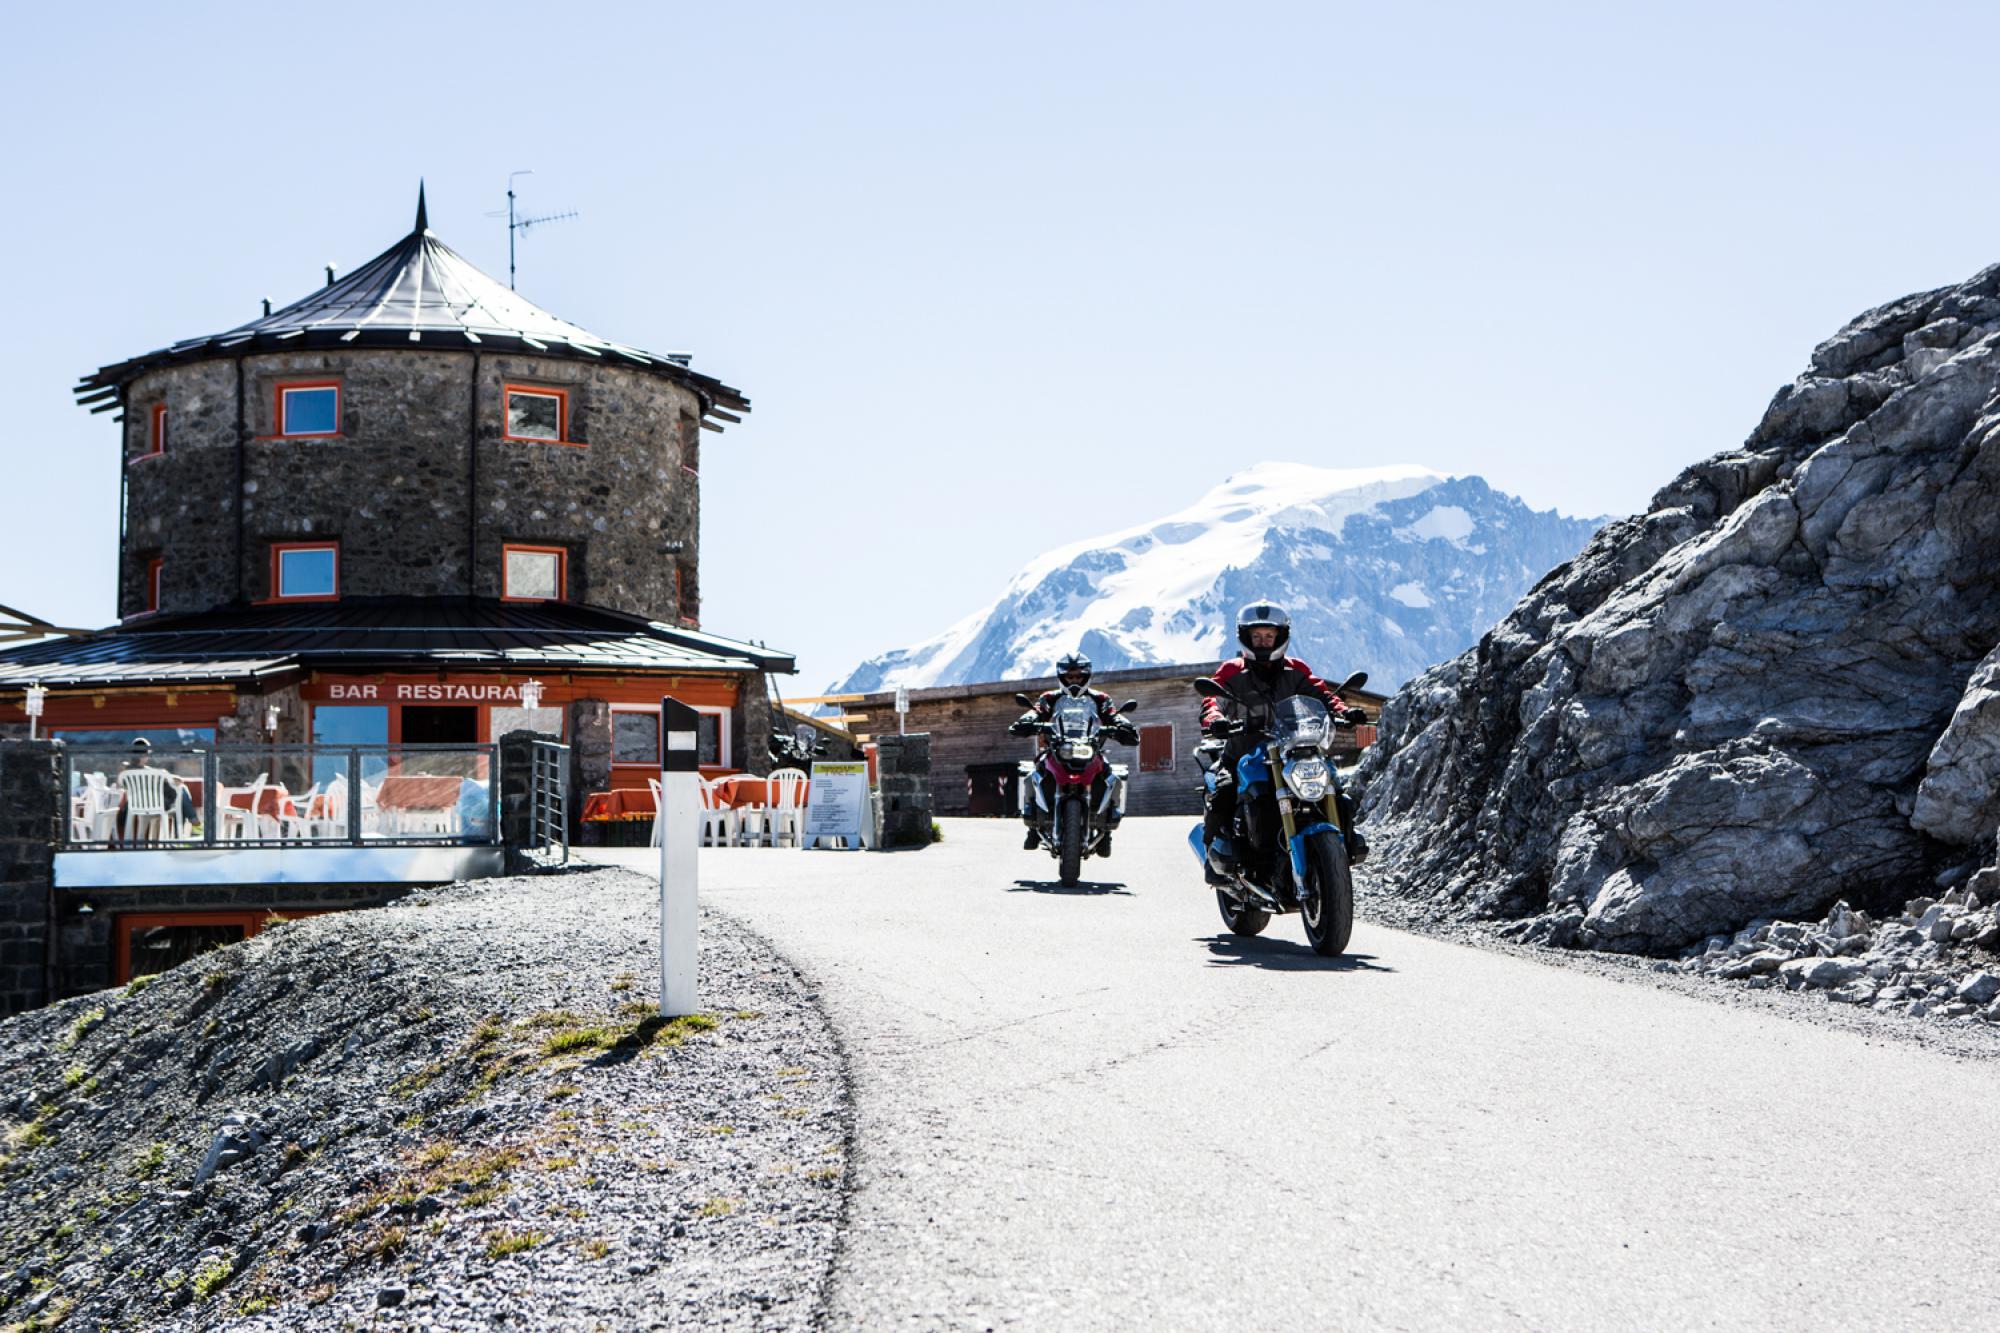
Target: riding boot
(1216, 822)
(1357, 846)
(1033, 840)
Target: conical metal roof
(419, 293)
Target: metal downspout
(472, 483)
(241, 467)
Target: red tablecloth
(739, 792)
(418, 792)
(620, 803)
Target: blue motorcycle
(1291, 849)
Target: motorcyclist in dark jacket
(1072, 682)
(1262, 674)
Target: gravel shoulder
(459, 1112)
(1966, 1036)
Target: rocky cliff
(1777, 688)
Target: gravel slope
(455, 1113)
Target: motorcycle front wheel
(1326, 900)
(1241, 918)
(1071, 850)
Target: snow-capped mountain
(1386, 569)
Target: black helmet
(1259, 615)
(1068, 664)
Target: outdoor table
(418, 792)
(743, 792)
(619, 803)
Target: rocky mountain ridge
(1773, 690)
(1386, 569)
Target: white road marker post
(680, 837)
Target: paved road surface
(1092, 1108)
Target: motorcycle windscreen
(1076, 719)
(1299, 720)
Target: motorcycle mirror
(1210, 689)
(1354, 682)
(1024, 701)
(1129, 706)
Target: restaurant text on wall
(416, 692)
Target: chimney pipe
(329, 275)
(267, 307)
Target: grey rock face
(1764, 694)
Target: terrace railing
(548, 804)
(280, 796)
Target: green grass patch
(148, 1160)
(505, 1241)
(212, 1277)
(720, 1207)
(82, 1027)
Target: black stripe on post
(680, 738)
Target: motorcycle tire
(1241, 918)
(1326, 899)
(1070, 854)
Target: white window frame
(712, 710)
(285, 392)
(507, 415)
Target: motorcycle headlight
(1078, 750)
(1308, 778)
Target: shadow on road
(1282, 955)
(1086, 887)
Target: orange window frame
(153, 567)
(562, 571)
(561, 396)
(278, 430)
(156, 433)
(125, 923)
(278, 550)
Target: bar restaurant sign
(414, 692)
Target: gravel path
(460, 1112)
(1094, 1109)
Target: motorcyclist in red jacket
(1072, 681)
(1262, 674)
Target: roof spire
(423, 219)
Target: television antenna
(517, 223)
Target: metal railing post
(354, 798)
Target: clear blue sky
(951, 250)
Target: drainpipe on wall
(472, 484)
(240, 478)
(124, 476)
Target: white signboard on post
(837, 804)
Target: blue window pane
(305, 573)
(311, 411)
(339, 724)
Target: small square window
(533, 573)
(536, 414)
(305, 571)
(156, 432)
(708, 739)
(309, 409)
(635, 738)
(1156, 748)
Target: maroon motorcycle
(1072, 795)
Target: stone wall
(903, 791)
(400, 486)
(30, 804)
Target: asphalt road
(1094, 1108)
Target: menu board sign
(837, 804)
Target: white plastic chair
(297, 824)
(151, 806)
(93, 811)
(786, 815)
(659, 811)
(719, 823)
(330, 820)
(240, 821)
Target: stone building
(368, 517)
(974, 762)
